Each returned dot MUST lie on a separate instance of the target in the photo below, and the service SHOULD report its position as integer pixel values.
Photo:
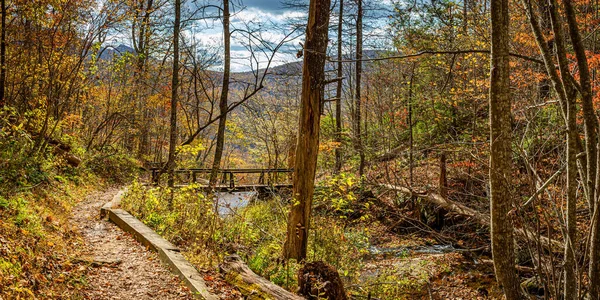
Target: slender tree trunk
(410, 128)
(224, 95)
(500, 153)
(591, 144)
(570, 288)
(589, 116)
(141, 48)
(174, 88)
(338, 93)
(357, 112)
(3, 54)
(313, 77)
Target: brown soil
(120, 267)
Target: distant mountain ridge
(109, 52)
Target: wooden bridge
(231, 179)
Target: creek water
(230, 202)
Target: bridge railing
(266, 177)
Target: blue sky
(273, 13)
(273, 17)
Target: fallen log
(251, 285)
(64, 150)
(479, 217)
(71, 158)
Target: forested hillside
(348, 149)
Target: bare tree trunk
(591, 143)
(313, 77)
(589, 117)
(570, 289)
(357, 109)
(410, 128)
(141, 47)
(174, 88)
(338, 93)
(501, 154)
(3, 54)
(224, 95)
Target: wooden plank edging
(169, 254)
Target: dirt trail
(127, 270)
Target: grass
(37, 243)
(257, 232)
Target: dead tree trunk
(501, 154)
(313, 77)
(251, 285)
(224, 95)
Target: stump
(318, 280)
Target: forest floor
(121, 267)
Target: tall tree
(591, 150)
(224, 94)
(338, 92)
(500, 153)
(174, 88)
(3, 54)
(141, 40)
(591, 142)
(307, 147)
(357, 95)
(570, 290)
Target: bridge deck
(242, 188)
(268, 179)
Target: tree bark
(570, 287)
(224, 95)
(141, 48)
(591, 144)
(3, 54)
(251, 285)
(501, 154)
(313, 78)
(338, 93)
(357, 94)
(410, 127)
(174, 87)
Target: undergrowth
(256, 232)
(38, 189)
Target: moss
(251, 291)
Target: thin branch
(421, 53)
(543, 187)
